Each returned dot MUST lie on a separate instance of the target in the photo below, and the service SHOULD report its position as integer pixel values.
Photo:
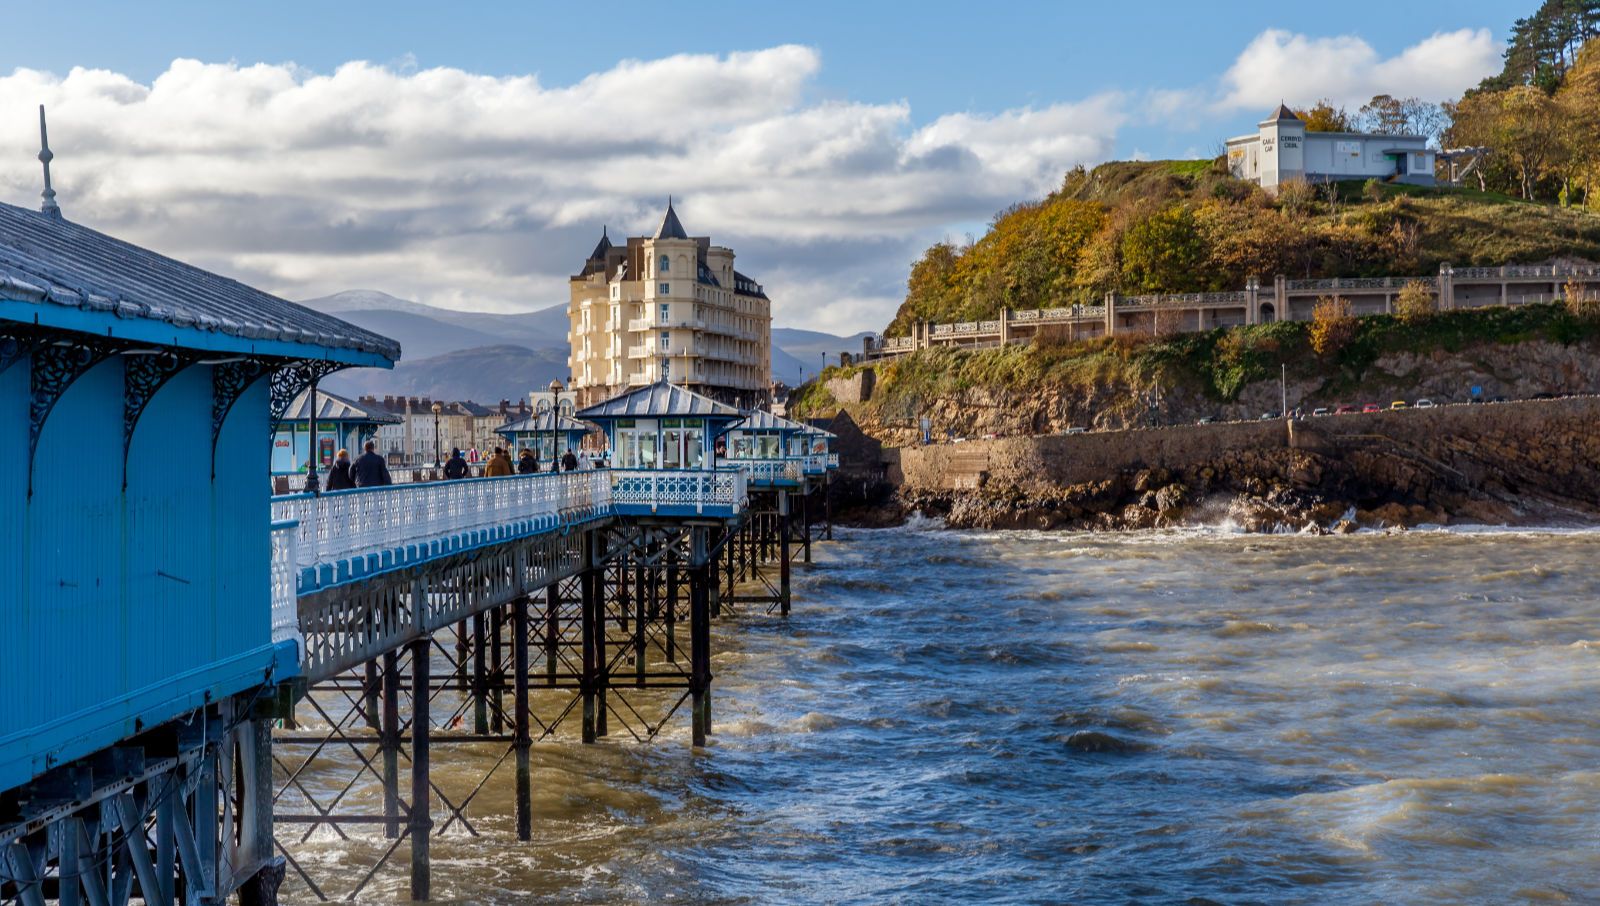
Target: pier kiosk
(149, 611)
(337, 424)
(549, 434)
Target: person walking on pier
(339, 473)
(528, 462)
(569, 462)
(369, 471)
(456, 467)
(499, 464)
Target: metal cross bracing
(180, 813)
(617, 640)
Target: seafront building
(1281, 150)
(668, 307)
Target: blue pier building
(148, 606)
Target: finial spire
(49, 207)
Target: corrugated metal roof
(762, 420)
(544, 421)
(50, 260)
(659, 400)
(332, 407)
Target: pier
(185, 653)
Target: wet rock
(1103, 743)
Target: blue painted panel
(128, 608)
(14, 644)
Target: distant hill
(484, 374)
(484, 356)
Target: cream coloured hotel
(668, 306)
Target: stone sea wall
(1532, 462)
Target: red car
(1372, 407)
(1346, 409)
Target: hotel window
(665, 314)
(664, 262)
(666, 340)
(664, 289)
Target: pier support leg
(524, 735)
(671, 614)
(480, 677)
(497, 673)
(783, 552)
(805, 527)
(369, 695)
(389, 744)
(700, 652)
(552, 631)
(827, 508)
(641, 611)
(591, 654)
(421, 819)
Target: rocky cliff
(1534, 462)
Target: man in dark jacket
(456, 467)
(527, 463)
(369, 471)
(569, 462)
(339, 473)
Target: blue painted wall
(128, 609)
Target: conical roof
(670, 227)
(1282, 114)
(603, 246)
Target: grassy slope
(1407, 231)
(1215, 365)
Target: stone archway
(1268, 313)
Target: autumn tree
(1519, 125)
(1415, 302)
(1164, 252)
(1333, 325)
(1324, 117)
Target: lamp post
(555, 420)
(436, 410)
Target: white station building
(1283, 150)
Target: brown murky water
(1180, 717)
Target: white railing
(833, 460)
(654, 488)
(767, 470)
(1527, 271)
(285, 613)
(344, 524)
(814, 465)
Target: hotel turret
(668, 306)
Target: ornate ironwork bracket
(54, 367)
(286, 380)
(143, 375)
(291, 379)
(229, 381)
(17, 343)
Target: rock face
(1512, 370)
(1535, 462)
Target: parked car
(1206, 420)
(1320, 411)
(1499, 399)
(1372, 407)
(1424, 404)
(1398, 404)
(1346, 409)
(1269, 416)
(1543, 396)
(1077, 429)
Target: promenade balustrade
(343, 535)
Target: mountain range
(487, 357)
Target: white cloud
(1283, 66)
(479, 192)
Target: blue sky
(854, 103)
